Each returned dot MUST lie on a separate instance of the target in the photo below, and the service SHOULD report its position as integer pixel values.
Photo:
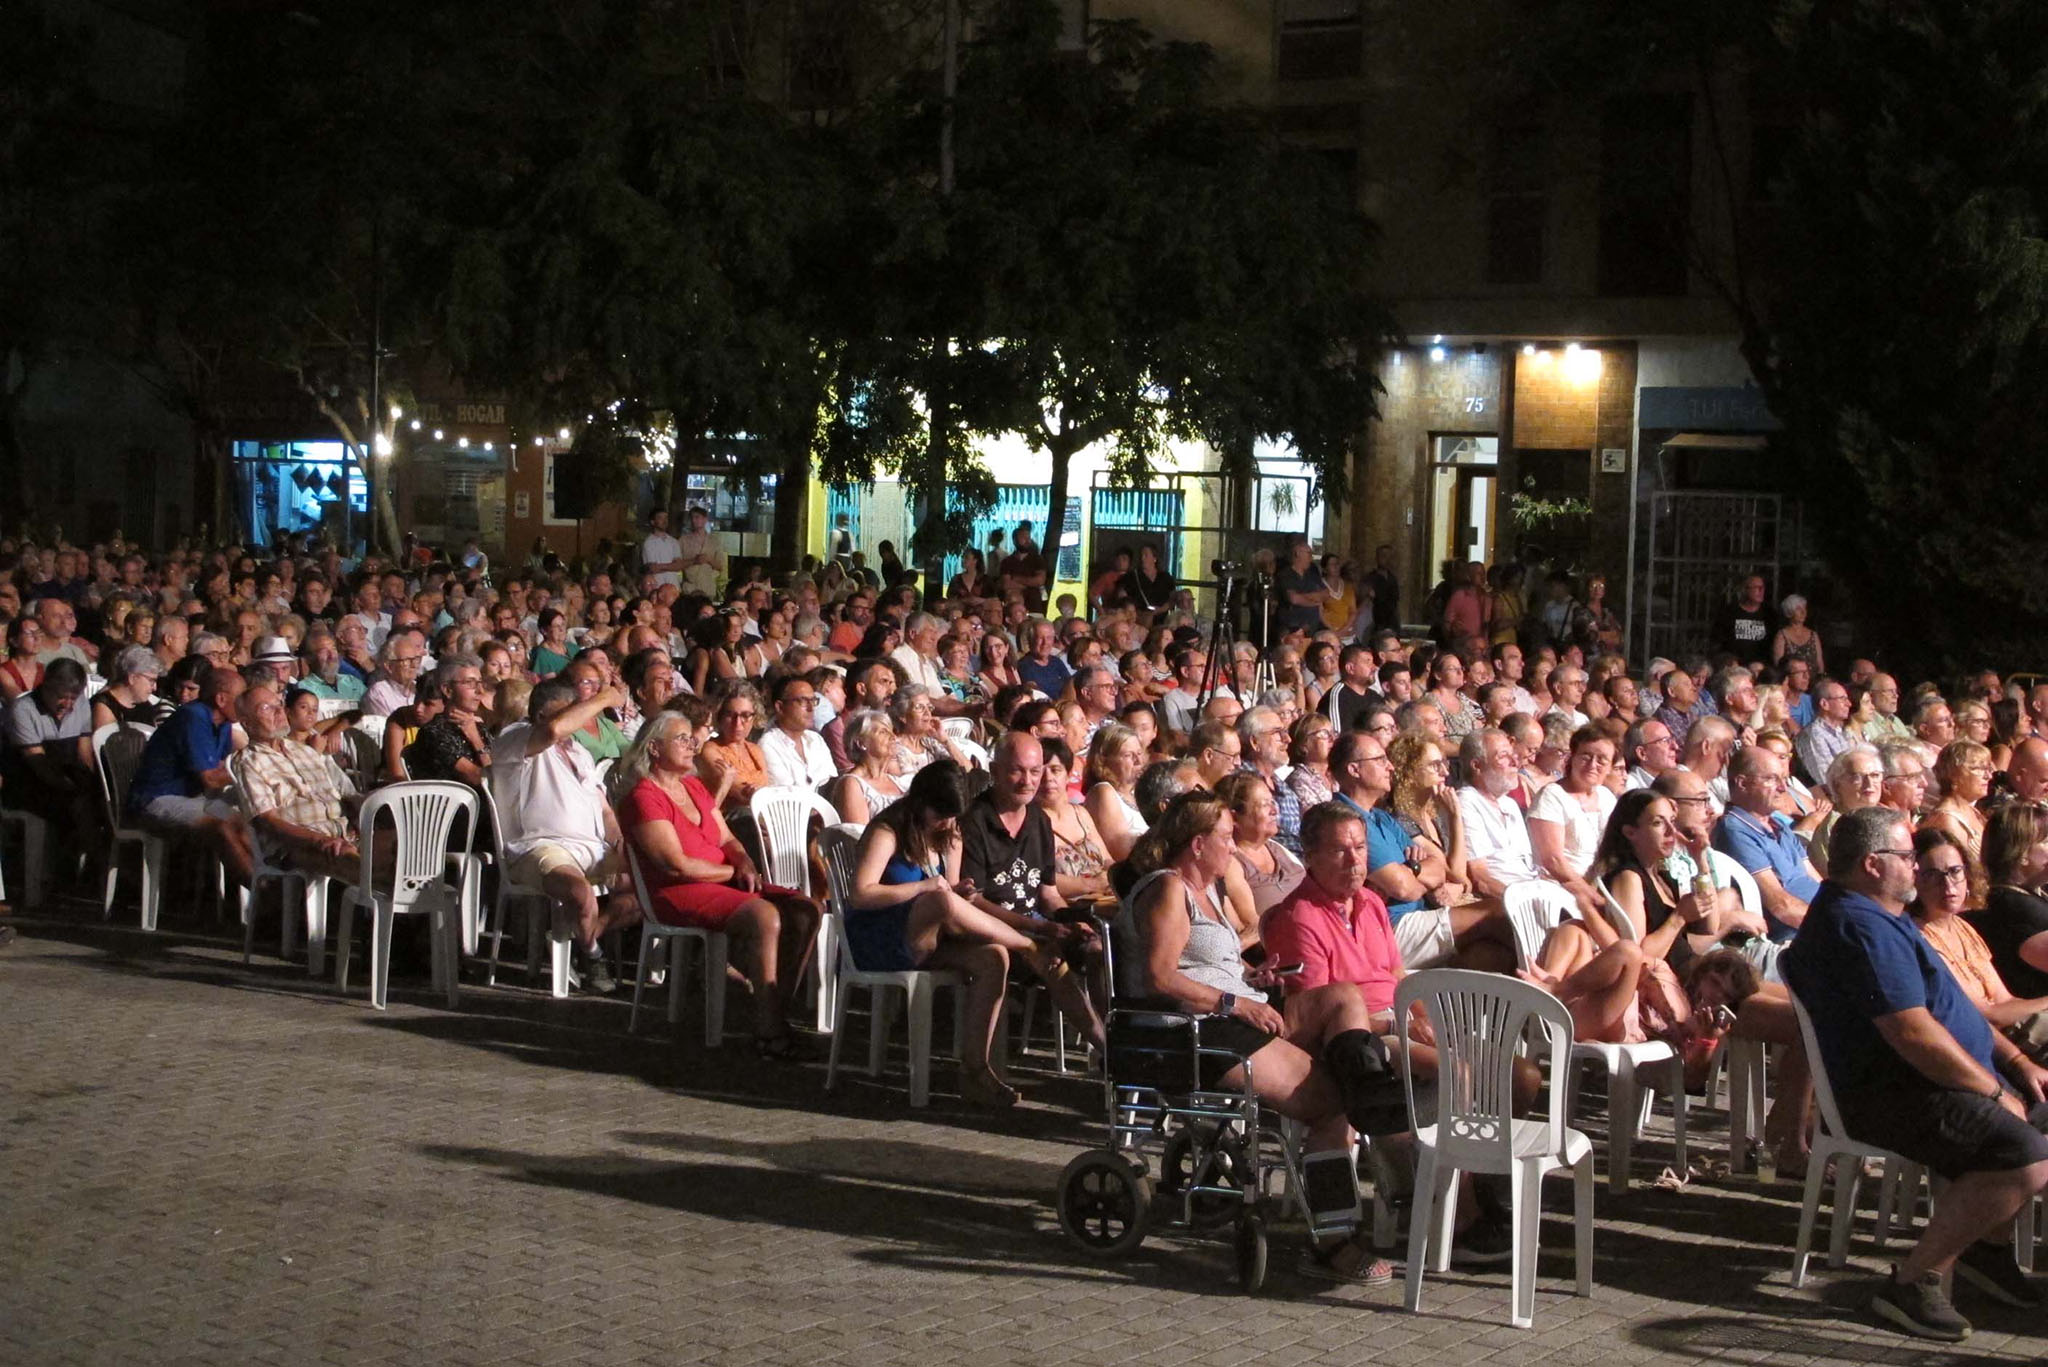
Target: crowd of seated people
(1704, 832)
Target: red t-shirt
(1311, 928)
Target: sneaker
(593, 973)
(1990, 1268)
(1920, 1308)
(1485, 1243)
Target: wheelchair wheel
(1250, 1245)
(1104, 1204)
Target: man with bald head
(2029, 769)
(1707, 749)
(1006, 862)
(1757, 837)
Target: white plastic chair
(958, 728)
(1534, 908)
(540, 910)
(422, 815)
(678, 939)
(977, 756)
(1831, 1141)
(1479, 1020)
(1634, 1072)
(311, 890)
(115, 755)
(918, 987)
(782, 816)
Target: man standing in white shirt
(661, 555)
(559, 831)
(793, 753)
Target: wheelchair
(1200, 1159)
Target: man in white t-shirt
(1497, 850)
(559, 833)
(794, 754)
(661, 555)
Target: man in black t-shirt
(1006, 841)
(1007, 855)
(1386, 591)
(1300, 591)
(1745, 628)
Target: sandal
(986, 1090)
(1362, 1267)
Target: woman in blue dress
(910, 911)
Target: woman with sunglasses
(1941, 891)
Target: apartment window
(1645, 195)
(1517, 204)
(1320, 40)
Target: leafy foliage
(1890, 278)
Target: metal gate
(843, 500)
(1157, 511)
(1701, 544)
(1017, 503)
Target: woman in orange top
(730, 763)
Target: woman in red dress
(699, 875)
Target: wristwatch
(1226, 1004)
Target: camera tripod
(1223, 637)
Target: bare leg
(944, 914)
(1768, 1016)
(1568, 949)
(758, 923)
(1286, 1078)
(987, 969)
(1317, 1016)
(568, 889)
(1599, 991)
(1972, 1207)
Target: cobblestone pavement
(210, 1163)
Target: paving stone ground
(207, 1163)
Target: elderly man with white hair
(398, 672)
(919, 657)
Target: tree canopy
(1889, 270)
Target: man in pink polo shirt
(1337, 929)
(1333, 924)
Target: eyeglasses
(1899, 854)
(1954, 873)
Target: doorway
(1464, 485)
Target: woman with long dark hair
(908, 913)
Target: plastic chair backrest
(1624, 924)
(1823, 1089)
(1479, 1019)
(977, 757)
(365, 756)
(783, 817)
(836, 846)
(422, 815)
(639, 880)
(1532, 914)
(958, 728)
(1727, 871)
(117, 753)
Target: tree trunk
(792, 508)
(1062, 449)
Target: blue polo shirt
(1049, 678)
(1768, 846)
(1385, 843)
(1852, 962)
(182, 749)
